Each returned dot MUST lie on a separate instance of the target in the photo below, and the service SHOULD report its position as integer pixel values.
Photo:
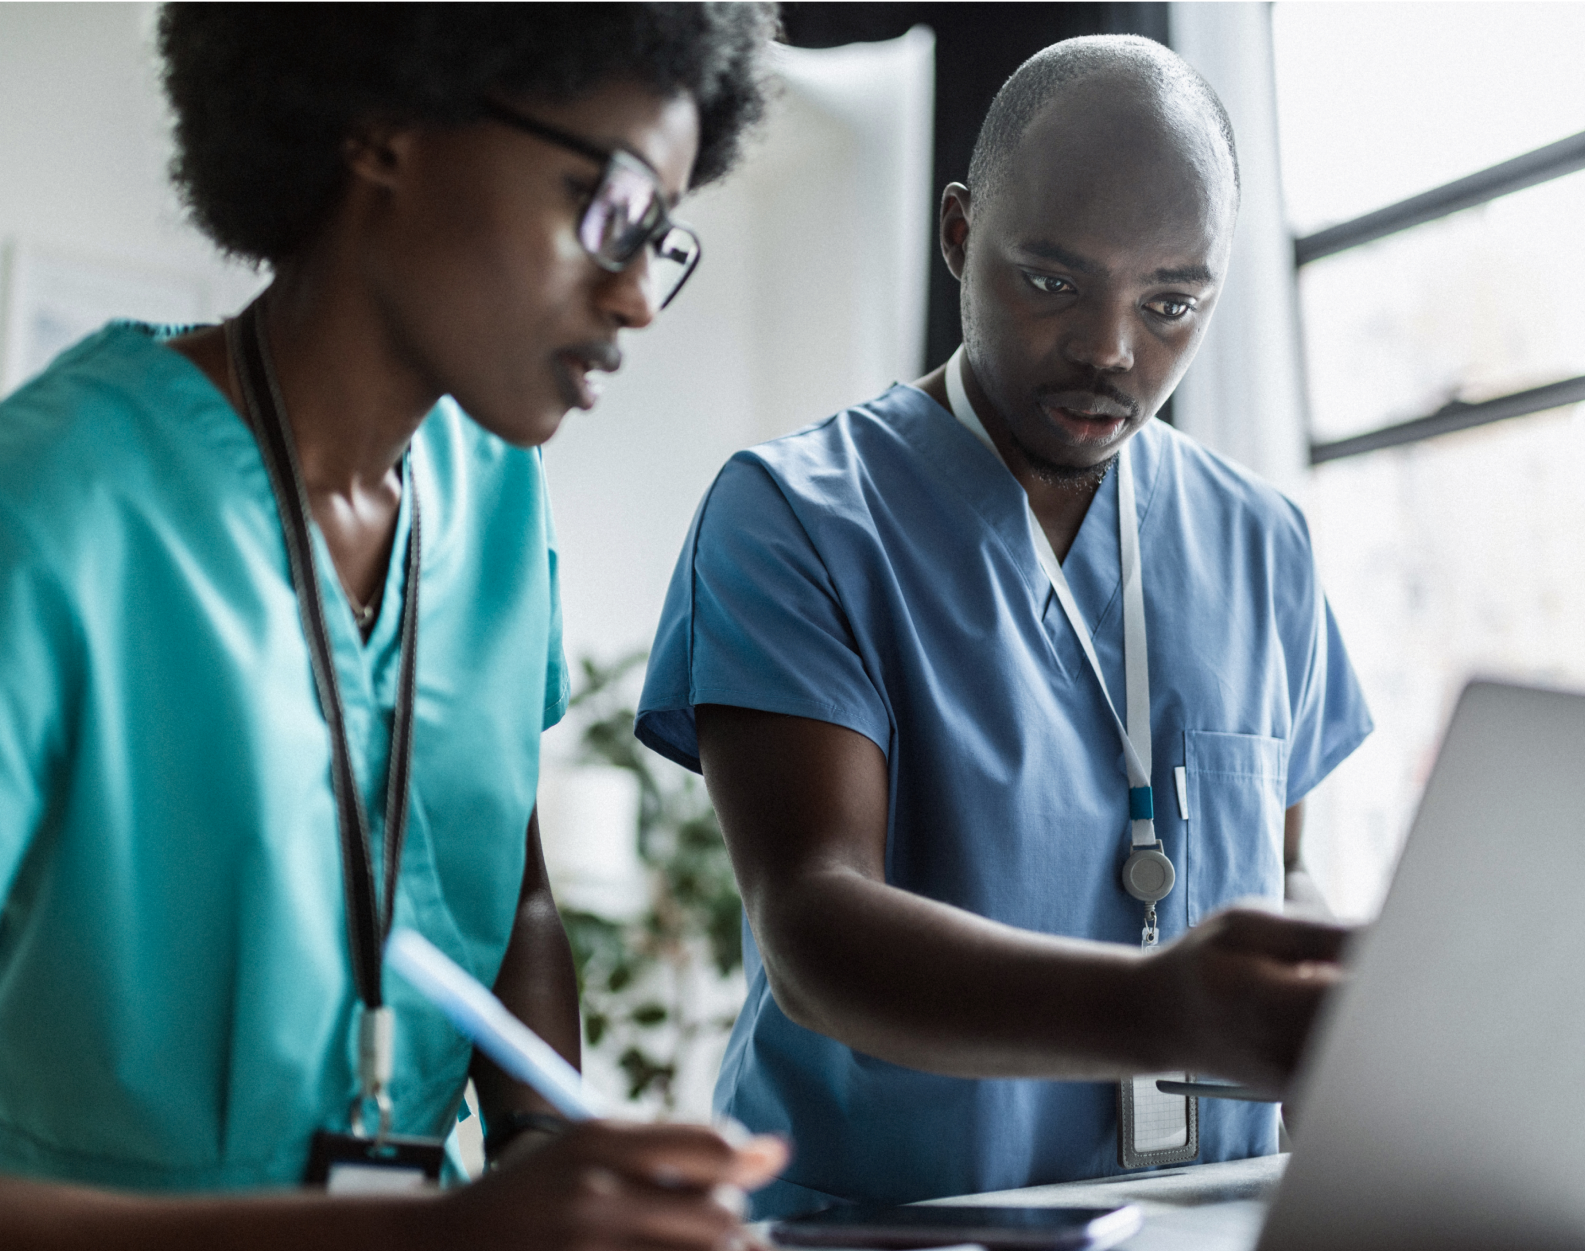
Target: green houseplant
(651, 985)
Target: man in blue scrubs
(924, 787)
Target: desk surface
(1203, 1207)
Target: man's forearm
(923, 984)
(1300, 889)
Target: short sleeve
(558, 686)
(35, 668)
(1330, 718)
(754, 618)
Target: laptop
(1443, 1100)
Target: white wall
(810, 296)
(83, 151)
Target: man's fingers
(1284, 938)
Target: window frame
(1555, 160)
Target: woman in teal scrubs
(461, 207)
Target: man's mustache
(1092, 394)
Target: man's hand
(917, 982)
(1241, 991)
(603, 1186)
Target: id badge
(344, 1164)
(1155, 1128)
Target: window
(1430, 163)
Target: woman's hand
(604, 1186)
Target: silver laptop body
(1444, 1102)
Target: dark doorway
(977, 47)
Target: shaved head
(1091, 245)
(1107, 73)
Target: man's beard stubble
(1069, 477)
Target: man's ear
(954, 231)
(378, 152)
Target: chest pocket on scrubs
(1237, 791)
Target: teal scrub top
(176, 1001)
(876, 571)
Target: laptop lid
(1443, 1102)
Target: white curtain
(842, 205)
(1243, 394)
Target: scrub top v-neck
(876, 571)
(176, 999)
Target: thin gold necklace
(364, 615)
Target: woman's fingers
(637, 1211)
(680, 1155)
(666, 1155)
(759, 1160)
(609, 1186)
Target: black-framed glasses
(626, 213)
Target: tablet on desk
(1000, 1229)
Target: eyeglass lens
(622, 218)
(675, 254)
(622, 214)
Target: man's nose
(1102, 339)
(629, 294)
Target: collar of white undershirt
(962, 408)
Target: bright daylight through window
(1464, 553)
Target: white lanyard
(1144, 1116)
(1135, 735)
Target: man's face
(476, 261)
(1090, 274)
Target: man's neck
(1060, 506)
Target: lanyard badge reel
(368, 1158)
(1152, 1128)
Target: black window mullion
(1543, 165)
(1531, 169)
(1454, 415)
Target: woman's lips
(582, 386)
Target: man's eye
(1047, 284)
(1171, 309)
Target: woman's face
(470, 250)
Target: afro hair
(265, 95)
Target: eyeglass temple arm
(554, 134)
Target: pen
(484, 1019)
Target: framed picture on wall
(53, 299)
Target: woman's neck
(353, 400)
(353, 403)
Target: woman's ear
(379, 152)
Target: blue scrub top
(176, 1002)
(876, 571)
